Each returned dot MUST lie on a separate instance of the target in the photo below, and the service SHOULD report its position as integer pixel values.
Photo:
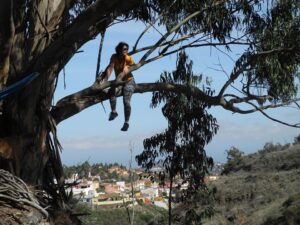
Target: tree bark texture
(36, 36)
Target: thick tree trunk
(7, 29)
(34, 37)
(25, 120)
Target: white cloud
(256, 131)
(96, 142)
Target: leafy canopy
(180, 148)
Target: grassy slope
(143, 215)
(267, 193)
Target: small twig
(41, 21)
(173, 42)
(237, 70)
(131, 180)
(297, 125)
(64, 72)
(222, 68)
(144, 31)
(127, 211)
(100, 53)
(152, 25)
(297, 104)
(164, 37)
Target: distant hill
(103, 171)
(260, 189)
(273, 157)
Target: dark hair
(120, 46)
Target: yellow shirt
(119, 66)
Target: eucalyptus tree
(180, 147)
(41, 36)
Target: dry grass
(258, 196)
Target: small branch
(190, 45)
(131, 146)
(235, 99)
(163, 38)
(161, 34)
(248, 57)
(223, 70)
(173, 29)
(152, 25)
(275, 50)
(229, 106)
(144, 31)
(100, 53)
(173, 42)
(297, 125)
(297, 104)
(119, 21)
(43, 24)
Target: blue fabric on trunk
(17, 85)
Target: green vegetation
(180, 147)
(235, 160)
(259, 189)
(261, 38)
(273, 157)
(99, 169)
(144, 215)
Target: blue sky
(90, 136)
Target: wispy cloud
(254, 131)
(112, 142)
(248, 137)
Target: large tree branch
(75, 103)
(232, 103)
(84, 28)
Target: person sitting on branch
(120, 62)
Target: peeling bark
(7, 31)
(34, 38)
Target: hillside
(143, 215)
(261, 189)
(258, 189)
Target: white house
(150, 192)
(121, 185)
